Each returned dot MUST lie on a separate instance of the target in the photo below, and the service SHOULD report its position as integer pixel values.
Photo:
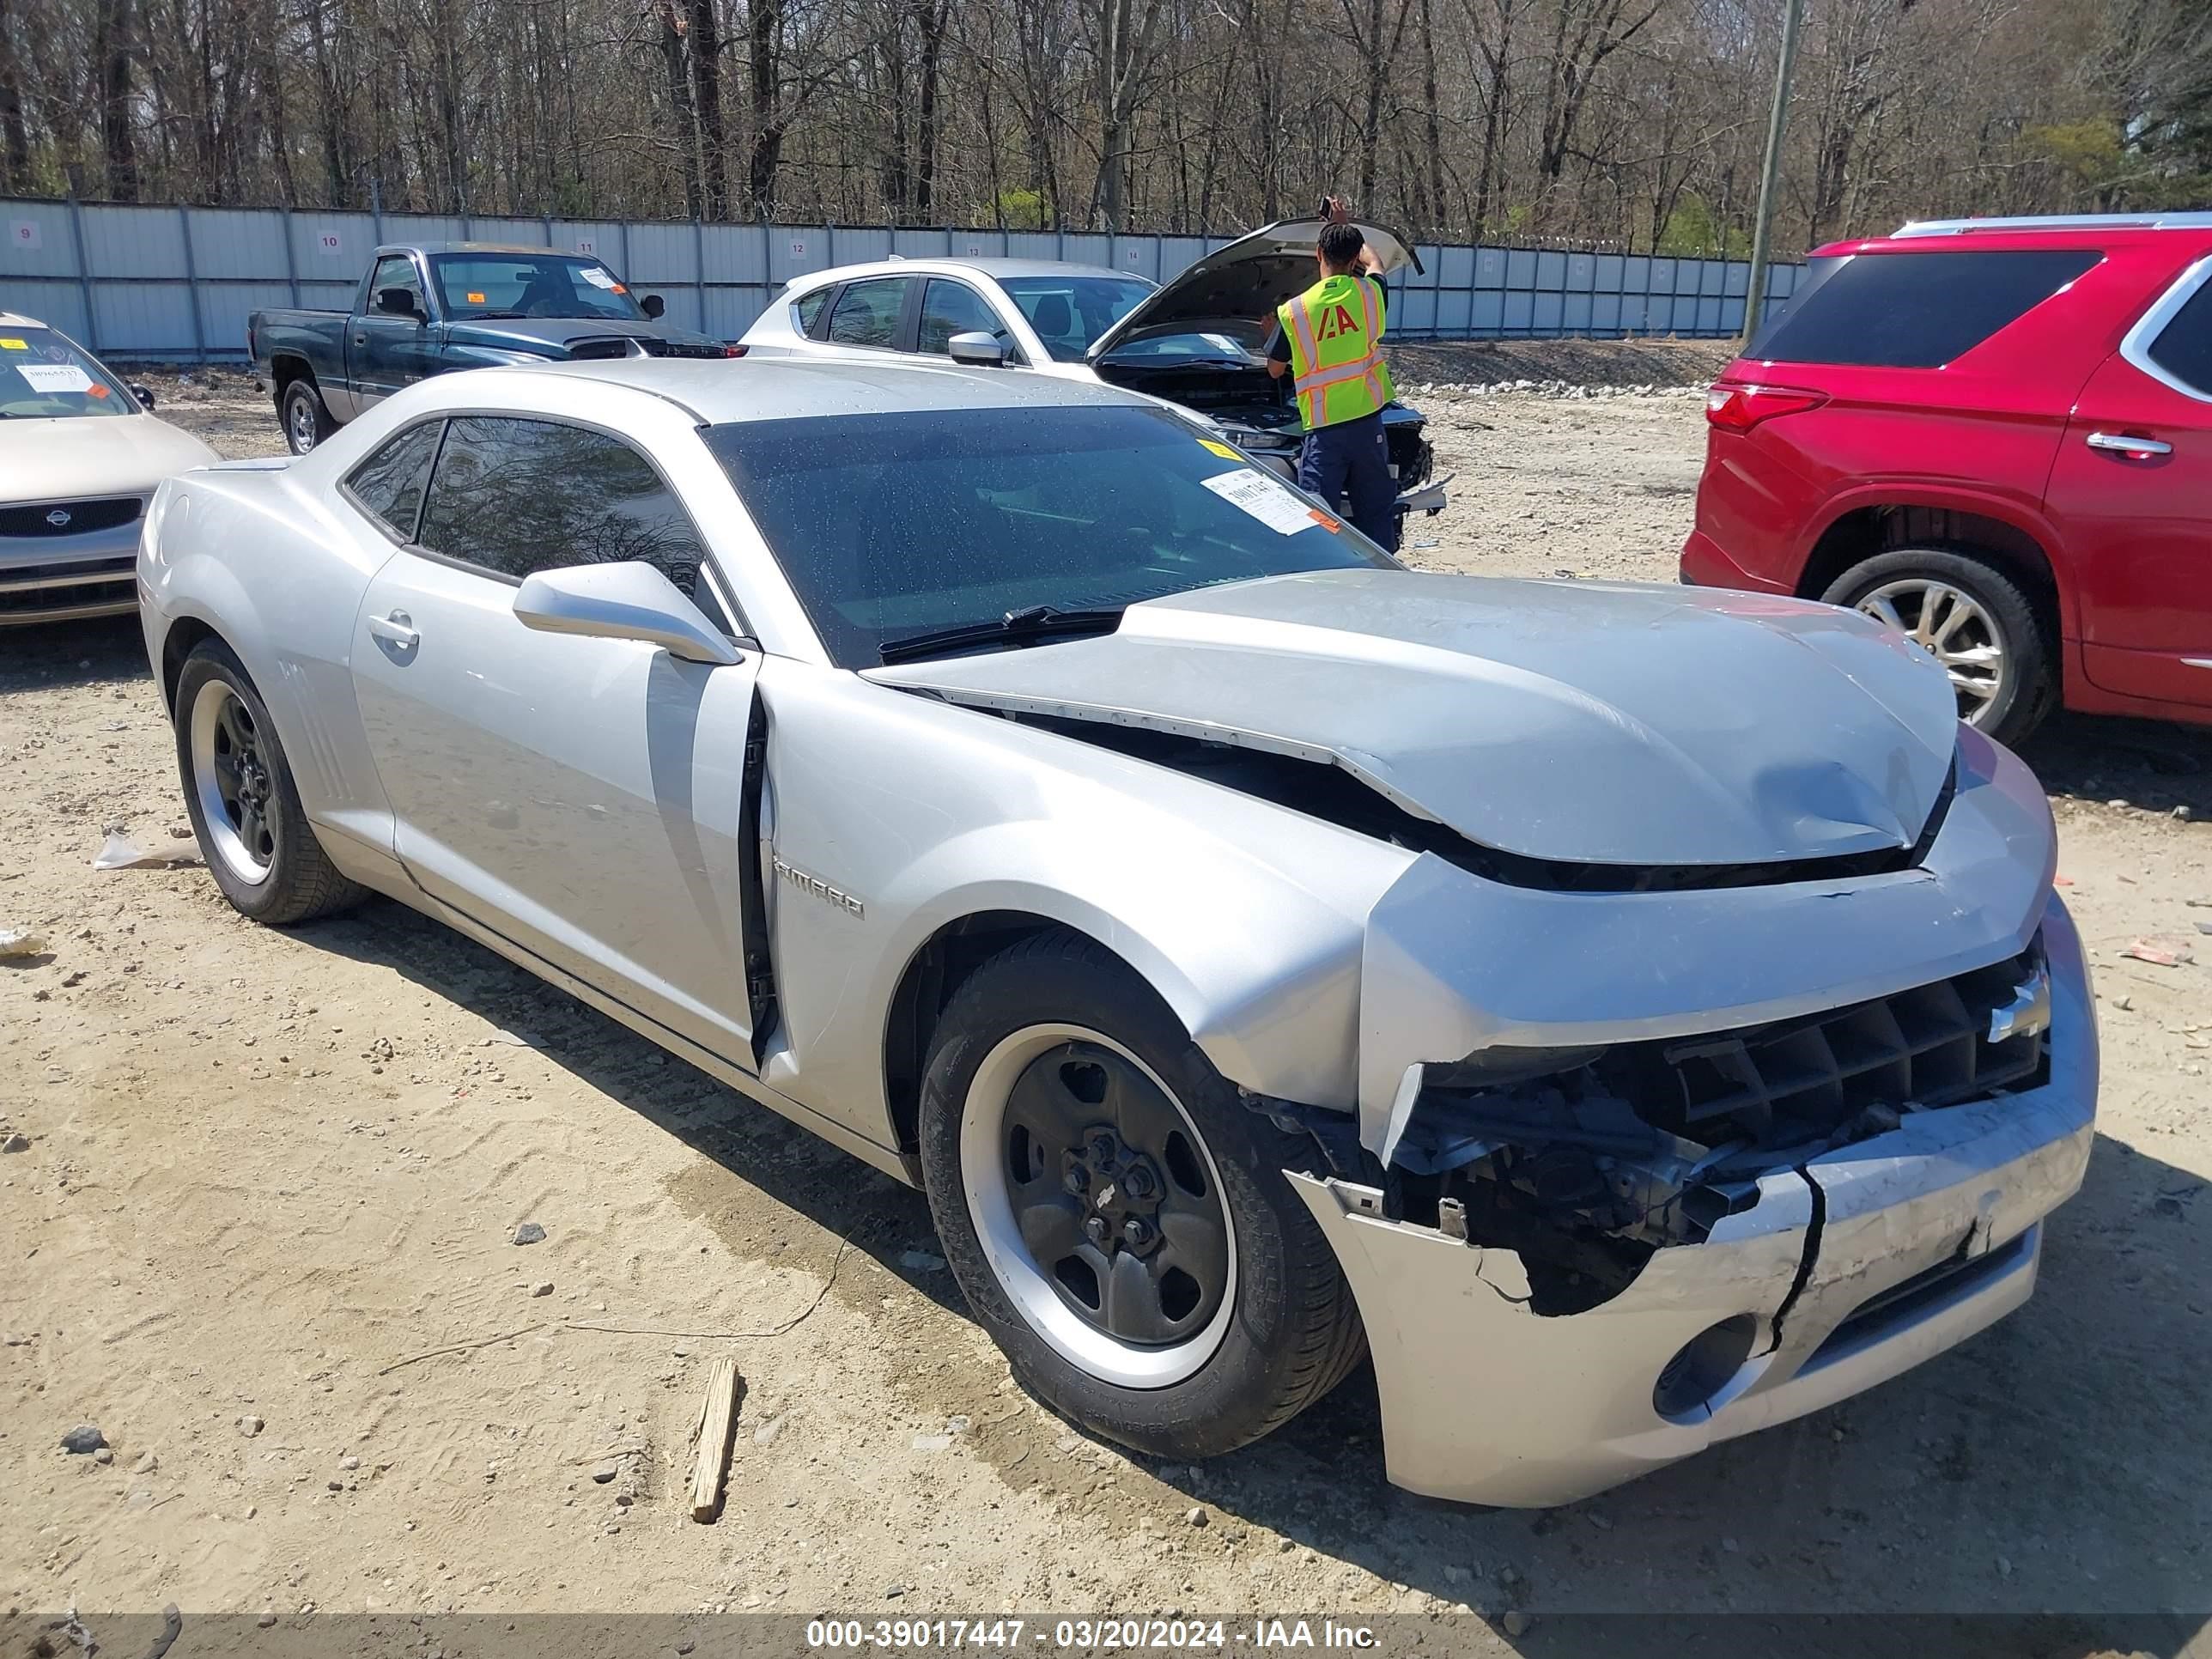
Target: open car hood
(1580, 722)
(1245, 279)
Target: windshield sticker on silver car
(1264, 499)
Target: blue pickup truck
(429, 308)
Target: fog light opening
(1703, 1367)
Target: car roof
(719, 391)
(979, 266)
(476, 247)
(2041, 231)
(17, 319)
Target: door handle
(396, 629)
(2127, 445)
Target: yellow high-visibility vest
(1335, 332)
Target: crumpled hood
(81, 456)
(1587, 722)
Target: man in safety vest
(1331, 344)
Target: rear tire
(1261, 1325)
(244, 808)
(1972, 618)
(306, 419)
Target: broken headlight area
(1585, 1161)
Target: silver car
(80, 455)
(1635, 1015)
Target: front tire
(1971, 618)
(305, 417)
(1117, 1217)
(244, 807)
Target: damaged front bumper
(1848, 1269)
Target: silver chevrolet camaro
(1634, 1015)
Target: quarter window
(514, 496)
(388, 485)
(1916, 310)
(867, 313)
(2184, 346)
(808, 309)
(951, 308)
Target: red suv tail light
(1739, 408)
(733, 350)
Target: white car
(1199, 340)
(82, 457)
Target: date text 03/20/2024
(1086, 1633)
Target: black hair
(1340, 245)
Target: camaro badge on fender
(818, 888)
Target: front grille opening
(1571, 1156)
(1904, 1304)
(78, 518)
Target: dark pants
(1350, 460)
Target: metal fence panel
(178, 282)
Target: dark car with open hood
(427, 308)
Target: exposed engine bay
(1585, 1162)
(1258, 412)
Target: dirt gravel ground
(259, 1237)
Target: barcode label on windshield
(1266, 501)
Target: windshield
(1069, 313)
(530, 285)
(46, 376)
(891, 524)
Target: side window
(2184, 346)
(514, 496)
(949, 308)
(867, 313)
(396, 271)
(388, 485)
(807, 312)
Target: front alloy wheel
(1117, 1212)
(1098, 1205)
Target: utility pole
(1755, 300)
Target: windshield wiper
(1035, 621)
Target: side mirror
(653, 305)
(626, 601)
(144, 394)
(977, 350)
(396, 302)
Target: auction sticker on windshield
(55, 377)
(1208, 444)
(1265, 499)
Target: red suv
(1997, 435)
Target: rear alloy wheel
(1973, 620)
(244, 807)
(1117, 1214)
(306, 419)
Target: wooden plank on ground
(715, 1422)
